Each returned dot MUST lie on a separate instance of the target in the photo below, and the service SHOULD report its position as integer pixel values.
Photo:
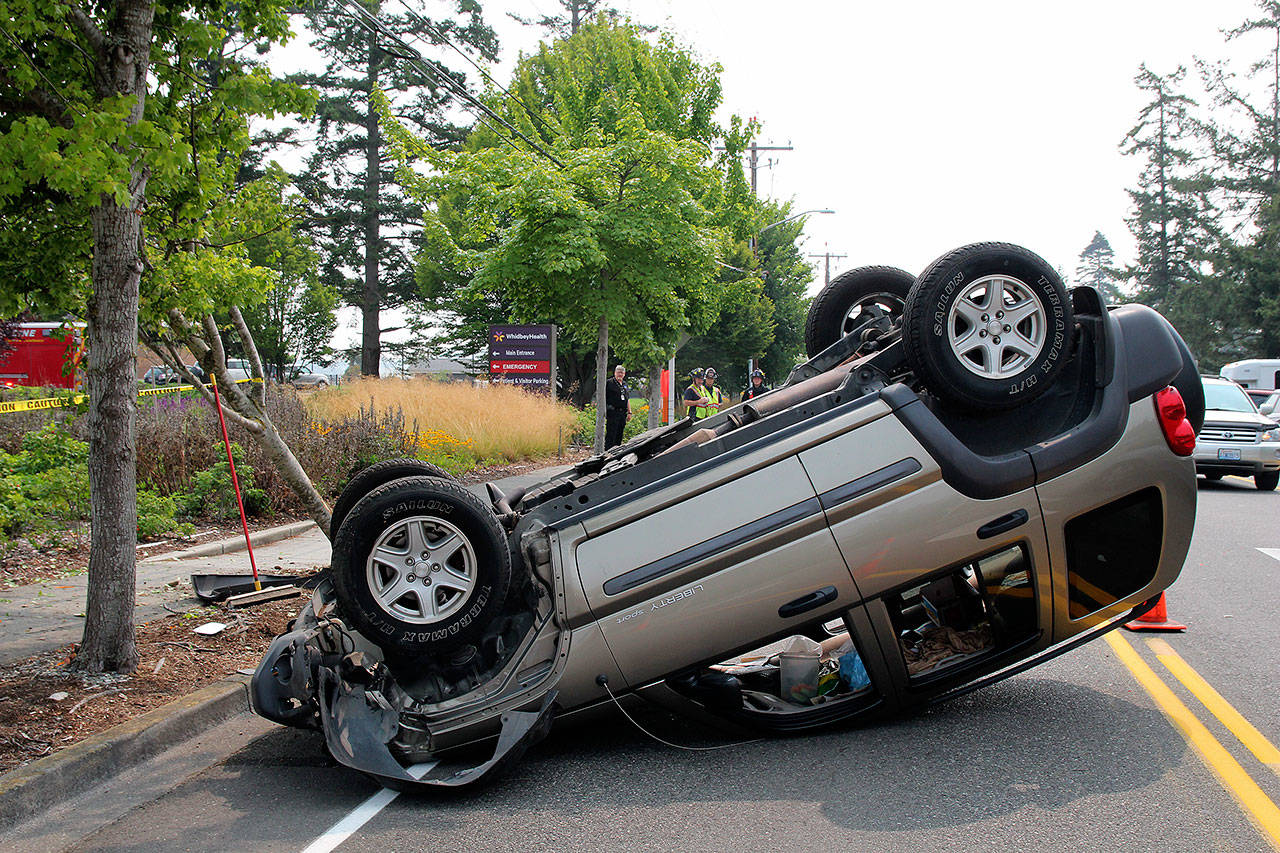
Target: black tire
(980, 372)
(387, 517)
(368, 479)
(852, 298)
(1266, 481)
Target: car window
(1227, 398)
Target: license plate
(1229, 453)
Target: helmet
(696, 373)
(757, 372)
(710, 373)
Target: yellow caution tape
(12, 406)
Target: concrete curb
(78, 768)
(236, 543)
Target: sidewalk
(39, 617)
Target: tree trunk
(602, 361)
(655, 395)
(371, 343)
(108, 643)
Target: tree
(363, 217)
(1173, 220)
(602, 89)
(295, 321)
(84, 146)
(1095, 268)
(576, 13)
(1245, 147)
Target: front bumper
(1253, 458)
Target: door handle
(817, 598)
(1003, 523)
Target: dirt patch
(174, 661)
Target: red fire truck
(43, 354)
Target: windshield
(1227, 398)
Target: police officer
(712, 396)
(615, 408)
(693, 394)
(757, 386)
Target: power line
(439, 34)
(372, 23)
(828, 255)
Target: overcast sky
(929, 125)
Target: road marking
(1256, 804)
(361, 814)
(1235, 722)
(1271, 552)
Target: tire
(368, 479)
(1266, 481)
(398, 530)
(959, 355)
(852, 298)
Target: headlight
(1272, 434)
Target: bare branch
(92, 35)
(235, 399)
(255, 361)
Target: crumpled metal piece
(359, 724)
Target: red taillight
(1172, 414)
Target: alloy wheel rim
(421, 570)
(997, 327)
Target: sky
(928, 125)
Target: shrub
(157, 516)
(212, 493)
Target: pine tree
(365, 218)
(1245, 149)
(1095, 268)
(1172, 219)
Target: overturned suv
(976, 470)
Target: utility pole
(827, 256)
(754, 159)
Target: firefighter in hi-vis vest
(712, 397)
(693, 394)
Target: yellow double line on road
(1256, 804)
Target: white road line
(361, 814)
(1271, 552)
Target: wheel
(1266, 481)
(853, 298)
(368, 479)
(988, 326)
(1213, 478)
(422, 566)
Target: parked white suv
(1235, 439)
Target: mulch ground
(36, 720)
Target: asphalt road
(1072, 755)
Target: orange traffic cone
(1155, 619)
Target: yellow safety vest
(713, 399)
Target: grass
(454, 422)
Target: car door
(746, 559)
(900, 525)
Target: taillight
(1172, 414)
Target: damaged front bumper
(316, 676)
